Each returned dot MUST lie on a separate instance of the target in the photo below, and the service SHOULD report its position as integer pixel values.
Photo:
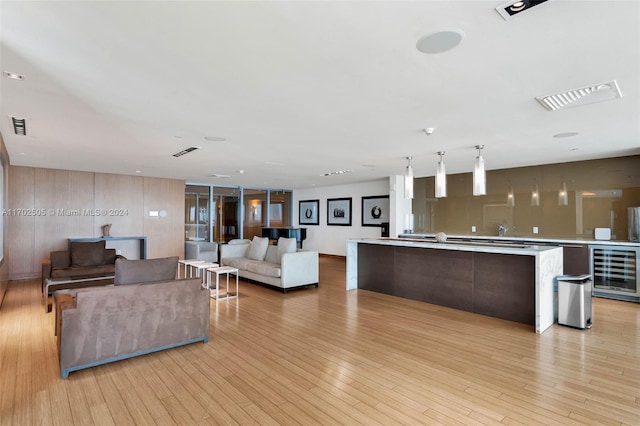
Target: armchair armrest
(46, 271)
(299, 268)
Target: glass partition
(226, 204)
(197, 220)
(220, 214)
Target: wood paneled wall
(73, 204)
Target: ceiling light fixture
(512, 8)
(13, 75)
(441, 178)
(582, 96)
(408, 180)
(479, 174)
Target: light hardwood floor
(327, 356)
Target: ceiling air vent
(19, 125)
(219, 176)
(582, 96)
(185, 151)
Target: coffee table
(222, 270)
(55, 284)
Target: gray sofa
(201, 250)
(281, 266)
(146, 310)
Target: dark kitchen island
(508, 281)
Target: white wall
(333, 239)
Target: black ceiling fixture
(185, 151)
(514, 7)
(19, 126)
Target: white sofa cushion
(272, 255)
(265, 268)
(258, 248)
(286, 245)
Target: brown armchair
(82, 261)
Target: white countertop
(518, 249)
(527, 239)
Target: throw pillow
(286, 245)
(272, 254)
(87, 253)
(258, 248)
(145, 270)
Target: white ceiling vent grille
(582, 96)
(185, 151)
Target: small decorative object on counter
(441, 237)
(106, 230)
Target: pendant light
(479, 175)
(511, 198)
(535, 195)
(408, 180)
(563, 197)
(441, 178)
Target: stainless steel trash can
(574, 301)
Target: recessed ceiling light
(214, 139)
(241, 172)
(13, 75)
(138, 171)
(566, 135)
(512, 8)
(440, 41)
(517, 6)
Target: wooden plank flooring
(328, 357)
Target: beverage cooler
(615, 271)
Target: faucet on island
(502, 230)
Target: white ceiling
(298, 89)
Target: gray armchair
(201, 250)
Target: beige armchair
(201, 250)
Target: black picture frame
(375, 210)
(309, 212)
(339, 211)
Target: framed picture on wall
(339, 211)
(308, 212)
(375, 210)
